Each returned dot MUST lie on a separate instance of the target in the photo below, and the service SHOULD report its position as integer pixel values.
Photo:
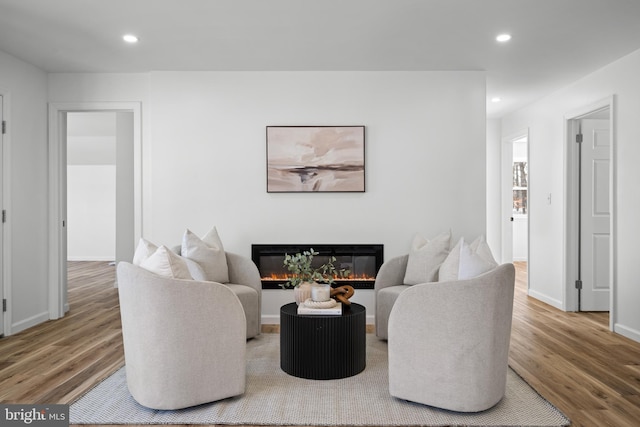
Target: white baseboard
(546, 299)
(268, 319)
(90, 258)
(627, 332)
(29, 322)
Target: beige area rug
(274, 398)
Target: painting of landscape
(315, 159)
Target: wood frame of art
(302, 159)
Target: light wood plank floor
(589, 373)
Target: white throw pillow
(425, 258)
(466, 261)
(209, 253)
(165, 262)
(481, 247)
(144, 249)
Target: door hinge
(4, 305)
(579, 138)
(4, 216)
(578, 284)
(4, 127)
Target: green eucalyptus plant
(301, 269)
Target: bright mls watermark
(34, 415)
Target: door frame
(506, 199)
(58, 304)
(572, 207)
(5, 199)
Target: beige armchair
(244, 281)
(449, 341)
(184, 340)
(387, 288)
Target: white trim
(57, 285)
(29, 322)
(570, 234)
(270, 319)
(6, 204)
(546, 299)
(106, 258)
(627, 332)
(571, 208)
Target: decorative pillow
(425, 258)
(480, 247)
(165, 262)
(144, 249)
(466, 261)
(209, 253)
(195, 270)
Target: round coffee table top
(354, 309)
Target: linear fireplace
(363, 261)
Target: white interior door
(595, 215)
(515, 221)
(520, 205)
(507, 200)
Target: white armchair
(387, 287)
(449, 341)
(184, 340)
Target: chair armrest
(243, 271)
(391, 273)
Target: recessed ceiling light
(503, 38)
(496, 99)
(130, 38)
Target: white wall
(91, 196)
(91, 186)
(545, 120)
(25, 89)
(204, 155)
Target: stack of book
(336, 310)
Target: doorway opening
(515, 199)
(126, 190)
(590, 212)
(91, 186)
(520, 209)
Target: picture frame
(317, 159)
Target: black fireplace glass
(362, 260)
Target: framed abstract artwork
(304, 159)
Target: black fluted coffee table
(323, 347)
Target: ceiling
(555, 42)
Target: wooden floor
(589, 373)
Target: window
(520, 196)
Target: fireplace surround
(362, 260)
